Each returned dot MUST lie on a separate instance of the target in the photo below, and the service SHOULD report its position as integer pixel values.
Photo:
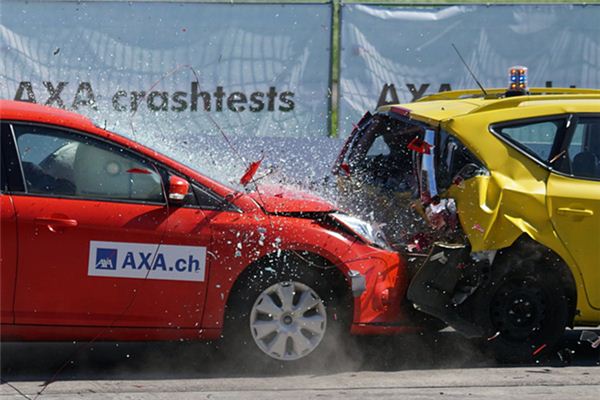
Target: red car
(103, 238)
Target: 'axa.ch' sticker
(147, 261)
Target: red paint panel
(54, 286)
(8, 257)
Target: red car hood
(276, 199)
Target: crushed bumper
(447, 278)
(379, 282)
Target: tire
(286, 314)
(524, 310)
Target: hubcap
(517, 310)
(288, 321)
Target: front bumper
(379, 280)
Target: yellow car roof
(443, 106)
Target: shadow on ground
(148, 360)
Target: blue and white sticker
(147, 261)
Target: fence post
(335, 55)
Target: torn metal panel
(446, 279)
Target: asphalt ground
(444, 365)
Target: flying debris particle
(346, 168)
(412, 247)
(566, 355)
(459, 181)
(493, 337)
(250, 172)
(591, 337)
(539, 350)
(183, 29)
(478, 228)
(56, 51)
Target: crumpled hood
(278, 200)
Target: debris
(420, 146)
(440, 257)
(346, 168)
(591, 337)
(419, 242)
(250, 172)
(493, 337)
(566, 355)
(56, 51)
(478, 228)
(539, 350)
(459, 181)
(442, 214)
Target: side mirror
(178, 188)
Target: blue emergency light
(518, 78)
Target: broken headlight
(369, 233)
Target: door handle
(56, 223)
(576, 212)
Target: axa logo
(147, 261)
(106, 259)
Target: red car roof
(12, 110)
(20, 111)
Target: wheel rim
(518, 310)
(288, 321)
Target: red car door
(8, 232)
(8, 257)
(98, 242)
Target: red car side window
(59, 163)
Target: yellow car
(495, 198)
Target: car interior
(78, 168)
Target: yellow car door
(574, 201)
